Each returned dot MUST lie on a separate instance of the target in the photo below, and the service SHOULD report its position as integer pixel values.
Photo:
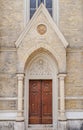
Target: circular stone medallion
(41, 29)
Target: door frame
(54, 106)
(54, 79)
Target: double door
(40, 102)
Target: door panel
(34, 102)
(40, 102)
(46, 102)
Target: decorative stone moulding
(40, 67)
(41, 29)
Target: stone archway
(42, 66)
(53, 43)
(50, 62)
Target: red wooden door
(46, 102)
(40, 102)
(35, 102)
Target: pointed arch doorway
(41, 90)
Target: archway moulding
(42, 66)
(60, 59)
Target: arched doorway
(51, 61)
(41, 90)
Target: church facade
(41, 66)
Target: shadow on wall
(81, 128)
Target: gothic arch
(38, 51)
(42, 65)
(60, 59)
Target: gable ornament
(41, 29)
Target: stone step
(41, 129)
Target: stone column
(20, 116)
(62, 97)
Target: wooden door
(40, 102)
(46, 102)
(35, 102)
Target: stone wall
(11, 125)
(11, 21)
(11, 26)
(75, 125)
(71, 21)
(74, 79)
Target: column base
(62, 117)
(19, 118)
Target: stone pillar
(62, 97)
(20, 116)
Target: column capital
(20, 76)
(62, 75)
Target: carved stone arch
(37, 51)
(42, 65)
(60, 58)
(40, 58)
(57, 59)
